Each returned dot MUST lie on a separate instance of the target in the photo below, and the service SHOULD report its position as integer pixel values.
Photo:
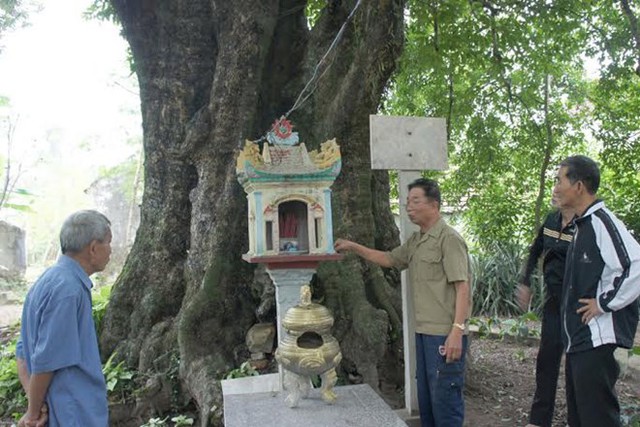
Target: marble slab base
(356, 406)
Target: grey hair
(81, 228)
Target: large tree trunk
(211, 74)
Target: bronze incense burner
(308, 349)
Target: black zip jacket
(551, 243)
(603, 262)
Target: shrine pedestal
(288, 282)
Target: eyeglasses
(419, 201)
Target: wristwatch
(460, 326)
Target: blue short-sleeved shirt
(58, 335)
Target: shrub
(495, 275)
(245, 370)
(119, 379)
(12, 398)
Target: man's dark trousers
(593, 374)
(547, 364)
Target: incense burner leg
(329, 380)
(297, 386)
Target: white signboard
(408, 143)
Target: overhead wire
(315, 77)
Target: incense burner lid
(308, 318)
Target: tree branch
(9, 184)
(451, 100)
(434, 11)
(547, 152)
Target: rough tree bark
(212, 73)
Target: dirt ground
(501, 382)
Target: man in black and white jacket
(599, 302)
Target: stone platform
(356, 406)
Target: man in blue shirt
(58, 358)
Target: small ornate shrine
(288, 193)
(290, 230)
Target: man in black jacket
(599, 298)
(551, 244)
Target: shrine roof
(289, 160)
(277, 162)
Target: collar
(73, 265)
(557, 217)
(435, 230)
(596, 205)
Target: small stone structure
(260, 342)
(13, 252)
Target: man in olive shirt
(440, 274)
